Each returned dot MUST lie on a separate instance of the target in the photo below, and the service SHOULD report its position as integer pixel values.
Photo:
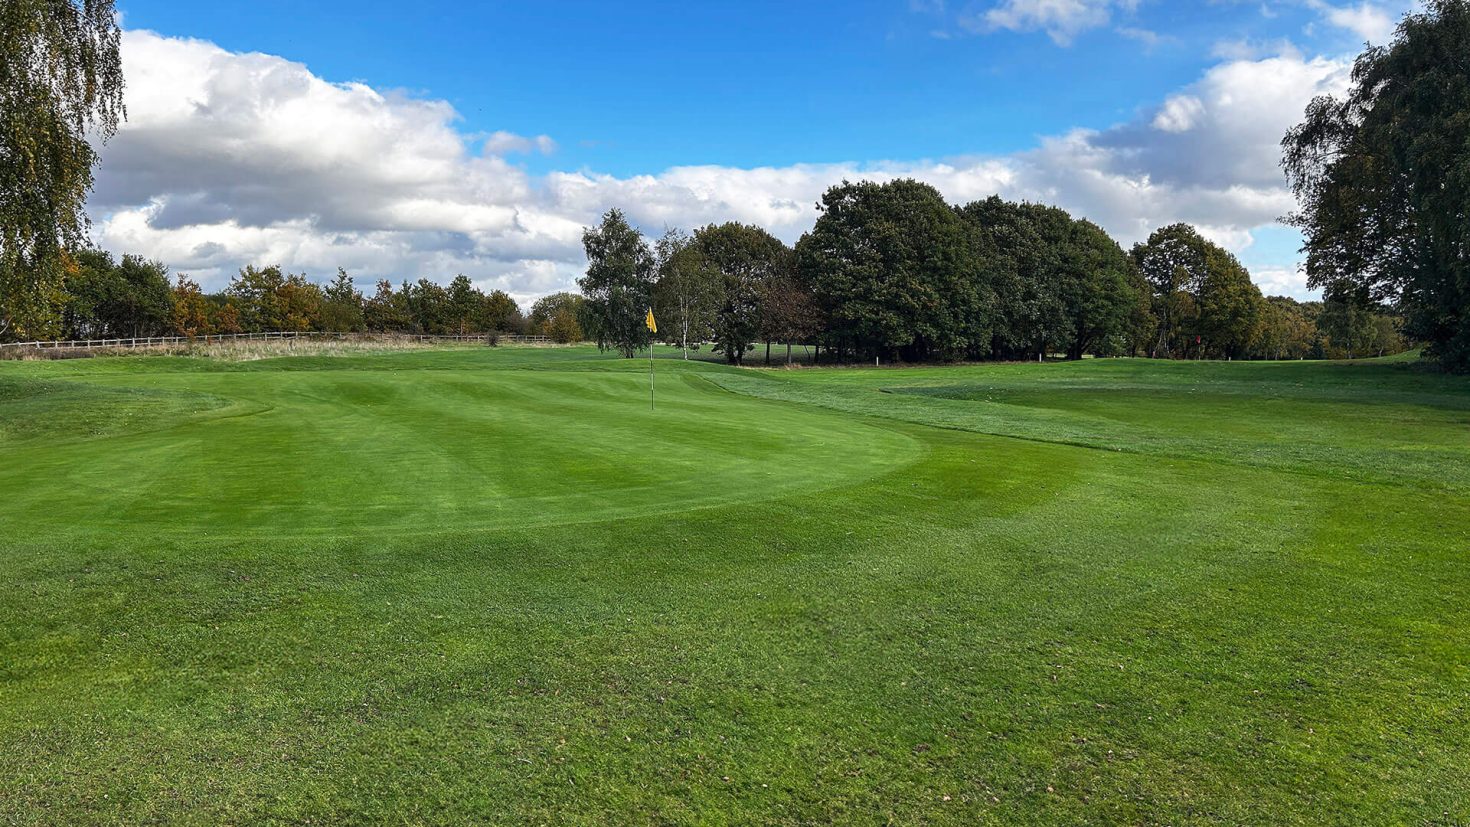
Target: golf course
(491, 585)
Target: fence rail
(218, 338)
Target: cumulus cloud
(1179, 113)
(1281, 281)
(229, 159)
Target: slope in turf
(1372, 421)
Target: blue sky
(625, 91)
(629, 88)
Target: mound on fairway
(492, 586)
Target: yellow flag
(652, 325)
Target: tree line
(892, 271)
(134, 297)
(888, 271)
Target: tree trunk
(788, 354)
(768, 353)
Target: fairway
(482, 585)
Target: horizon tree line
(888, 271)
(891, 271)
(134, 297)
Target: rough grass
(242, 350)
(492, 586)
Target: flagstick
(652, 326)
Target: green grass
(491, 586)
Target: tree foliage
(743, 259)
(789, 311)
(1288, 330)
(1060, 284)
(108, 299)
(687, 293)
(60, 80)
(618, 286)
(190, 312)
(1383, 179)
(342, 305)
(1204, 300)
(893, 270)
(559, 316)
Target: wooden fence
(218, 338)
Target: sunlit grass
(490, 585)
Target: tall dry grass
(245, 350)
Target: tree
(894, 271)
(342, 305)
(270, 300)
(384, 312)
(1387, 334)
(558, 316)
(1022, 245)
(1139, 329)
(110, 299)
(190, 310)
(1099, 291)
(788, 312)
(500, 313)
(618, 286)
(1204, 299)
(745, 257)
(60, 81)
(1060, 282)
(1172, 262)
(300, 302)
(256, 293)
(428, 307)
(1229, 305)
(687, 291)
(1287, 331)
(227, 317)
(1347, 324)
(463, 305)
(1383, 179)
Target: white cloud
(1062, 20)
(229, 159)
(1149, 38)
(1179, 114)
(1370, 22)
(1281, 281)
(507, 143)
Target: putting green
(407, 444)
